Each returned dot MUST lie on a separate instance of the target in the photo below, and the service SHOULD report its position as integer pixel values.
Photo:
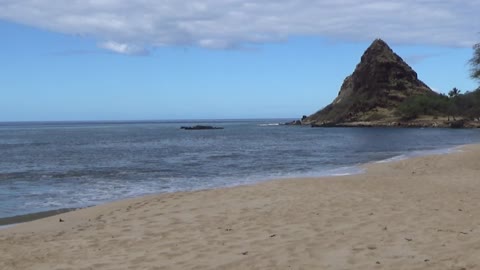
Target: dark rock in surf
(200, 127)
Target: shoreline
(418, 213)
(422, 122)
(10, 221)
(13, 220)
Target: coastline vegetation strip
(33, 216)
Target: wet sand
(33, 216)
(420, 213)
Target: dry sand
(421, 213)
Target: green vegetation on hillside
(465, 106)
(415, 106)
(456, 104)
(343, 111)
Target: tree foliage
(454, 93)
(469, 105)
(415, 106)
(454, 105)
(475, 62)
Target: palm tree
(452, 103)
(454, 93)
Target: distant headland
(384, 90)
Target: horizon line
(142, 120)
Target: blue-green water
(46, 166)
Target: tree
(430, 104)
(454, 93)
(453, 108)
(475, 62)
(470, 103)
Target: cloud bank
(132, 26)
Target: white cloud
(130, 26)
(123, 48)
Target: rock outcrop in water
(372, 93)
(200, 127)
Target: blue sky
(107, 60)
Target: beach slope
(420, 213)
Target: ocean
(54, 165)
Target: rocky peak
(378, 51)
(380, 82)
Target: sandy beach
(420, 213)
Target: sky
(214, 59)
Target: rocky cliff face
(380, 82)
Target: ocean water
(45, 166)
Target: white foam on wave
(342, 171)
(2, 227)
(421, 153)
(392, 159)
(226, 182)
(269, 124)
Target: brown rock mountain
(380, 82)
